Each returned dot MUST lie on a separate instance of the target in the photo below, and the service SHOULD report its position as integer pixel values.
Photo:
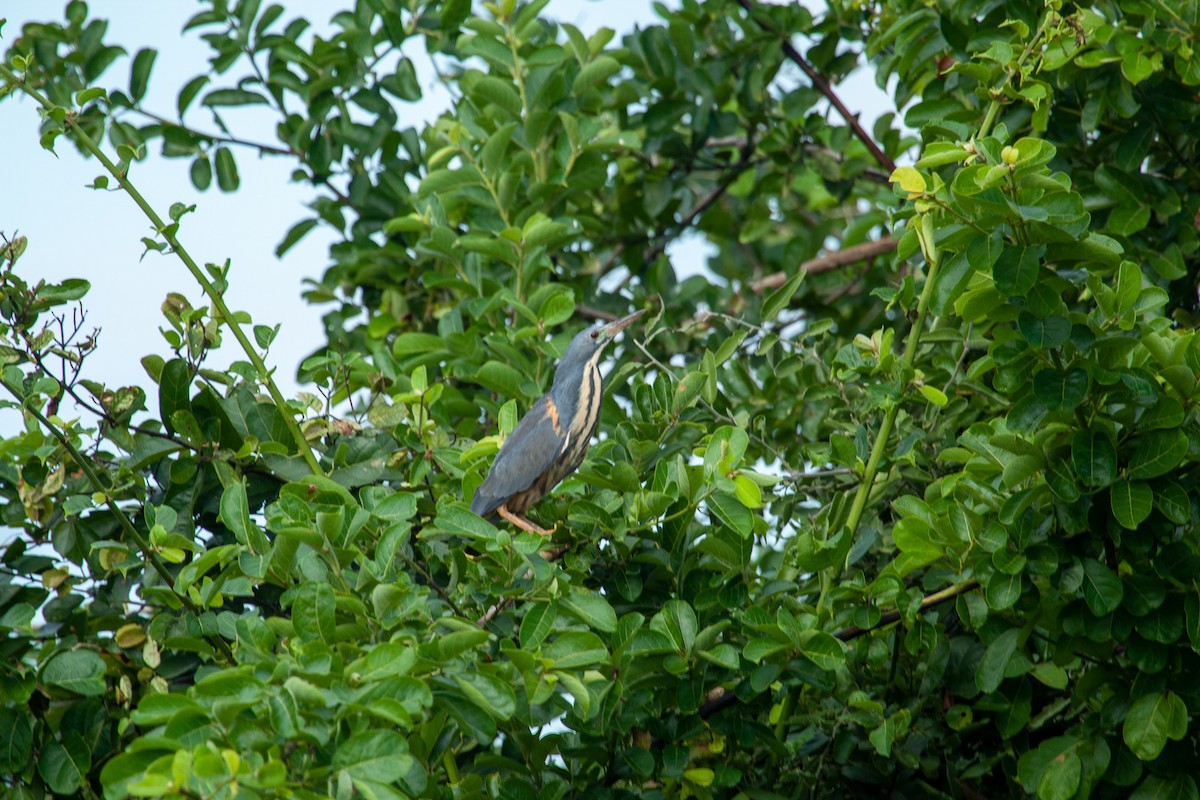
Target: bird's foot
(524, 524)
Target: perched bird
(549, 442)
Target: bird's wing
(526, 454)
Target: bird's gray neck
(567, 389)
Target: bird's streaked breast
(587, 413)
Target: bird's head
(588, 345)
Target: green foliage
(922, 523)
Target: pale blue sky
(77, 232)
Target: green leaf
(159, 709)
(403, 82)
(491, 89)
(758, 649)
(537, 623)
(139, 75)
(730, 510)
(824, 650)
(934, 395)
(1016, 270)
(1157, 453)
(314, 612)
(65, 765)
(576, 650)
(1102, 590)
(264, 335)
(1061, 390)
(914, 537)
(1129, 286)
(1045, 333)
(558, 308)
(688, 390)
(1132, 502)
(201, 172)
(677, 621)
(778, 300)
(501, 379)
(294, 234)
(189, 92)
(1050, 754)
(489, 693)
(939, 154)
(235, 515)
(16, 745)
(990, 672)
(85, 96)
(227, 174)
(377, 755)
(595, 71)
(77, 671)
(591, 609)
(411, 342)
(725, 449)
(722, 655)
(441, 181)
(1153, 719)
(69, 291)
(748, 492)
(1181, 787)
(909, 180)
(1061, 779)
(1094, 457)
(233, 97)
(1173, 501)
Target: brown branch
(824, 87)
(829, 262)
(720, 699)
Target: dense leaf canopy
(899, 494)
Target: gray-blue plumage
(550, 441)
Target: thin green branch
(1031, 46)
(126, 525)
(925, 233)
(166, 231)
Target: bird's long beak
(610, 330)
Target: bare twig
(824, 87)
(829, 262)
(216, 137)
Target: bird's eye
(595, 334)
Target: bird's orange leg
(522, 523)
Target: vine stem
(124, 521)
(168, 235)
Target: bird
(550, 441)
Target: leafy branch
(824, 87)
(168, 233)
(123, 520)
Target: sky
(76, 232)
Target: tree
(904, 500)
